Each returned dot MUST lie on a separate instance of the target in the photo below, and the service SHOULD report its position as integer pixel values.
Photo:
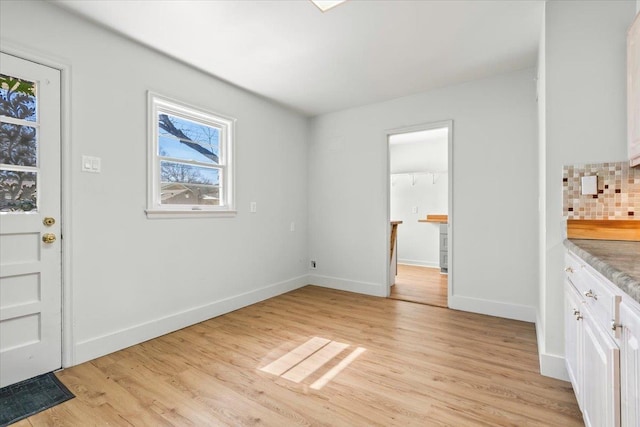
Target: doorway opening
(420, 213)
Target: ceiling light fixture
(325, 5)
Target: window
(190, 161)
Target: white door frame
(417, 128)
(29, 54)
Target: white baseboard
(419, 263)
(367, 288)
(493, 308)
(552, 365)
(100, 346)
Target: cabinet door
(444, 241)
(573, 338)
(630, 366)
(601, 391)
(444, 258)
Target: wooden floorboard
(423, 285)
(421, 365)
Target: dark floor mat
(31, 396)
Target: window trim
(162, 104)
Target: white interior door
(30, 267)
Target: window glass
(17, 98)
(179, 138)
(18, 145)
(18, 191)
(190, 161)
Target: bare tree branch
(167, 125)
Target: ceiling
(359, 52)
(420, 151)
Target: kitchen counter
(440, 219)
(618, 261)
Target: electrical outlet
(313, 264)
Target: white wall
(133, 278)
(585, 122)
(494, 264)
(418, 243)
(542, 199)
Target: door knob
(48, 221)
(48, 237)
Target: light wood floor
(420, 284)
(422, 366)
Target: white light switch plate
(589, 185)
(91, 164)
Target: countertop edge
(622, 280)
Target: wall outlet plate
(589, 185)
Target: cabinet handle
(569, 270)
(590, 294)
(577, 314)
(615, 326)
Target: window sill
(182, 213)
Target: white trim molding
(417, 128)
(552, 365)
(112, 342)
(418, 263)
(524, 313)
(158, 104)
(367, 288)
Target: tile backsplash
(618, 192)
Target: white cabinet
(573, 337)
(602, 347)
(601, 376)
(630, 364)
(444, 248)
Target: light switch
(253, 207)
(589, 185)
(414, 209)
(95, 164)
(91, 164)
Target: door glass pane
(186, 140)
(18, 145)
(184, 184)
(17, 191)
(17, 98)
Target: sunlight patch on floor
(306, 359)
(322, 381)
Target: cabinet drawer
(599, 296)
(575, 269)
(443, 260)
(444, 242)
